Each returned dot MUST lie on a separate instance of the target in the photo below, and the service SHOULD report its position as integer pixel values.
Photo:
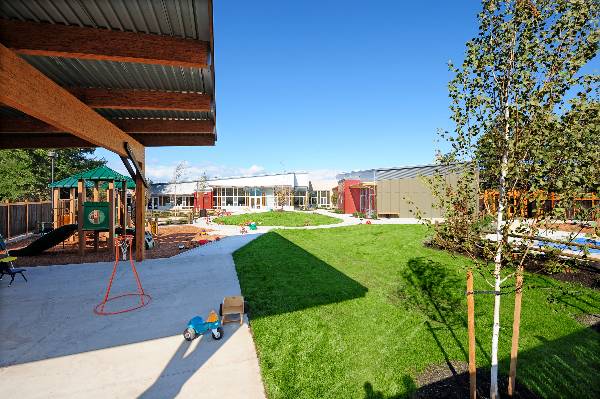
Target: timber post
(514, 350)
(140, 211)
(80, 201)
(471, 327)
(111, 214)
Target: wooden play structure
(105, 210)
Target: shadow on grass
(277, 276)
(565, 367)
(439, 295)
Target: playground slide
(46, 241)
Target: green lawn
(359, 312)
(277, 218)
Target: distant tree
(178, 174)
(334, 198)
(25, 174)
(282, 196)
(520, 129)
(309, 193)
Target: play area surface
(52, 336)
(168, 241)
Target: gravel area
(167, 244)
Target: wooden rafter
(99, 44)
(28, 90)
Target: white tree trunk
(498, 261)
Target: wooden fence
(20, 218)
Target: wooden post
(7, 220)
(80, 216)
(514, 350)
(140, 211)
(72, 210)
(96, 191)
(111, 215)
(26, 217)
(55, 194)
(471, 327)
(125, 217)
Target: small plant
(360, 215)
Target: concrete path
(347, 220)
(53, 345)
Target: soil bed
(452, 381)
(167, 244)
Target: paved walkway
(347, 220)
(53, 345)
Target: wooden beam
(32, 125)
(140, 216)
(81, 197)
(142, 99)
(56, 40)
(25, 88)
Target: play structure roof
(102, 173)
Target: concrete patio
(53, 345)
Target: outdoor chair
(232, 305)
(6, 263)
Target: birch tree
(516, 101)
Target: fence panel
(23, 217)
(18, 218)
(4, 220)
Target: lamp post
(52, 155)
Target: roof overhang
(107, 74)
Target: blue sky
(326, 86)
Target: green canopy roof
(102, 173)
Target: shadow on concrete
(52, 315)
(277, 276)
(187, 359)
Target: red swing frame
(99, 309)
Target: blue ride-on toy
(198, 326)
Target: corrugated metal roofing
(152, 114)
(404, 172)
(183, 18)
(101, 173)
(74, 72)
(180, 18)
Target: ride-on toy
(198, 326)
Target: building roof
(402, 172)
(293, 179)
(102, 173)
(186, 22)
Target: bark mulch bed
(590, 320)
(452, 381)
(587, 275)
(572, 228)
(167, 244)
